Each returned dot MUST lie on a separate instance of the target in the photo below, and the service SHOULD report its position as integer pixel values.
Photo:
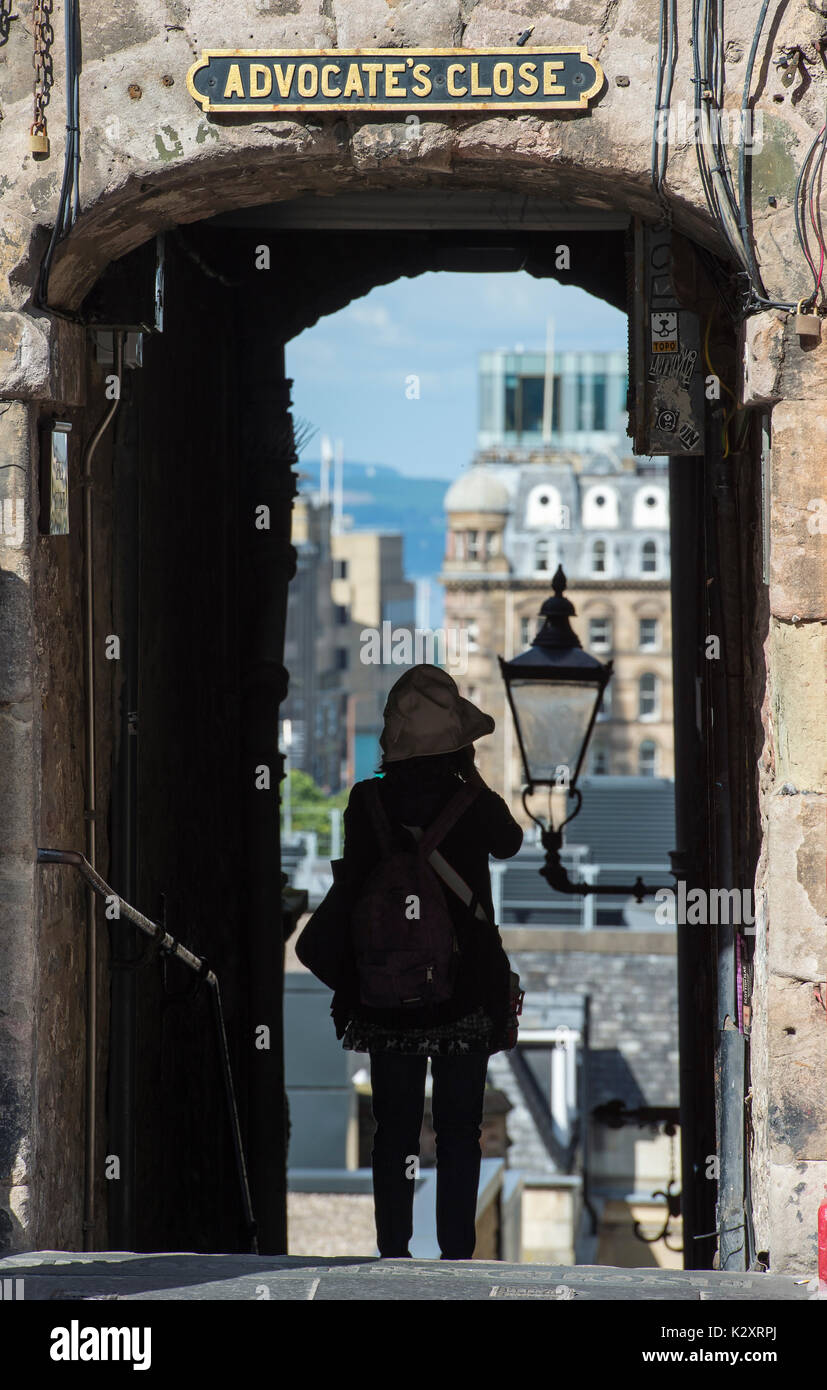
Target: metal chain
(42, 61)
(6, 17)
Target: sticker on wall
(664, 332)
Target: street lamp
(554, 690)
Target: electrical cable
(667, 58)
(814, 206)
(656, 133)
(729, 211)
(728, 415)
(799, 228)
(742, 161)
(671, 62)
(71, 156)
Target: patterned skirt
(473, 1033)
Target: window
(605, 710)
(651, 509)
(599, 557)
(580, 390)
(340, 569)
(648, 696)
(600, 507)
(649, 638)
(649, 558)
(528, 630)
(543, 508)
(600, 634)
(524, 404)
(647, 759)
(341, 659)
(473, 545)
(599, 764)
(599, 401)
(473, 635)
(542, 555)
(341, 614)
(492, 543)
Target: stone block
(24, 356)
(797, 844)
(405, 24)
(795, 1193)
(762, 359)
(41, 358)
(797, 1043)
(798, 518)
(798, 662)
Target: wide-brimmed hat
(425, 714)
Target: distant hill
(379, 498)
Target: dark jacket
(486, 827)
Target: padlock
(38, 142)
(806, 325)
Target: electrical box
(129, 295)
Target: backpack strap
(447, 817)
(454, 880)
(428, 840)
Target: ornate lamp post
(554, 690)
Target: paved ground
(50, 1274)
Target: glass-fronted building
(567, 400)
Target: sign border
(457, 106)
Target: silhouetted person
(428, 755)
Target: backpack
(404, 942)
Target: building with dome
(520, 510)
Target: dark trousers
(398, 1085)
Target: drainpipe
(91, 810)
(721, 542)
(695, 978)
(123, 821)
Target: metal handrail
(168, 945)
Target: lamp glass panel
(554, 718)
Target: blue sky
(350, 370)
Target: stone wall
(789, 1046)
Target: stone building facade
(315, 700)
(376, 603)
(204, 440)
(513, 517)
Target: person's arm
(503, 833)
(358, 855)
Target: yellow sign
(395, 79)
